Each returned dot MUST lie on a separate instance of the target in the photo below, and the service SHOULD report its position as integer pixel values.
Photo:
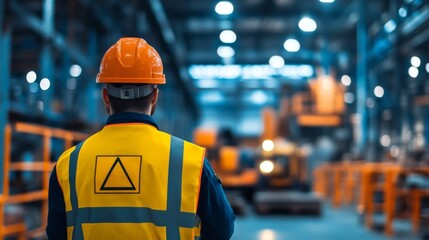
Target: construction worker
(130, 180)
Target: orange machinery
(364, 180)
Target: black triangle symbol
(103, 187)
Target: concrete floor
(333, 224)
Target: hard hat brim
(160, 80)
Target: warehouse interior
(313, 112)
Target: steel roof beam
(58, 40)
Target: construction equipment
(283, 183)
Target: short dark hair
(130, 105)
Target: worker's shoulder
(65, 155)
(189, 144)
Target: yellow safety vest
(131, 181)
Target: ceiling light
(75, 70)
(228, 36)
(224, 8)
(258, 97)
(413, 72)
(31, 77)
(349, 97)
(390, 26)
(327, 1)
(379, 91)
(268, 145)
(415, 61)
(266, 166)
(212, 97)
(225, 52)
(307, 24)
(385, 140)
(346, 80)
(402, 12)
(276, 62)
(45, 84)
(292, 45)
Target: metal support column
(361, 91)
(5, 50)
(91, 87)
(46, 57)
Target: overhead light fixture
(266, 167)
(31, 76)
(258, 97)
(224, 8)
(346, 80)
(228, 36)
(212, 97)
(379, 91)
(276, 61)
(415, 61)
(292, 45)
(75, 70)
(225, 52)
(327, 1)
(45, 84)
(402, 12)
(349, 97)
(307, 24)
(385, 140)
(413, 72)
(267, 145)
(390, 26)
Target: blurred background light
(390, 26)
(395, 151)
(413, 72)
(276, 61)
(75, 70)
(267, 145)
(327, 1)
(379, 91)
(45, 84)
(212, 97)
(402, 12)
(31, 76)
(307, 24)
(427, 67)
(225, 52)
(266, 166)
(291, 45)
(228, 36)
(349, 97)
(259, 97)
(385, 140)
(267, 234)
(346, 80)
(415, 61)
(224, 8)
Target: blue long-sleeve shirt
(217, 217)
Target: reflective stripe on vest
(172, 218)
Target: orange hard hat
(131, 60)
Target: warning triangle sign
(117, 179)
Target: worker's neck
(131, 111)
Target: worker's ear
(106, 101)
(154, 100)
